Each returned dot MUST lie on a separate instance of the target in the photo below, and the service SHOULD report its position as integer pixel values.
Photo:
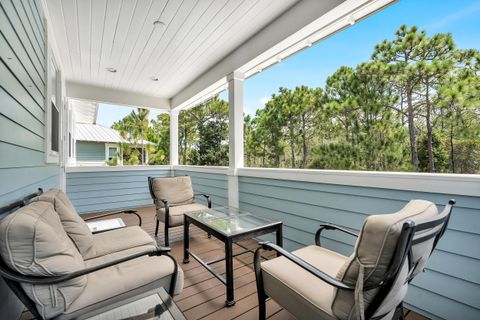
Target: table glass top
(151, 307)
(229, 221)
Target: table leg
(229, 272)
(186, 241)
(279, 234)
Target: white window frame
(107, 148)
(52, 156)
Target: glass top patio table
(229, 225)
(229, 221)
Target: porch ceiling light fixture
(158, 24)
(153, 78)
(278, 59)
(344, 20)
(351, 20)
(111, 69)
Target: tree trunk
(304, 143)
(411, 129)
(292, 148)
(143, 151)
(184, 155)
(452, 152)
(431, 164)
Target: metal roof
(98, 133)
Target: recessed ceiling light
(154, 78)
(158, 24)
(111, 69)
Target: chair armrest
(103, 215)
(209, 201)
(329, 226)
(305, 265)
(17, 277)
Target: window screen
(55, 127)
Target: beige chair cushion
(118, 240)
(119, 254)
(176, 190)
(176, 213)
(374, 249)
(33, 242)
(301, 293)
(127, 276)
(73, 224)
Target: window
(53, 113)
(112, 152)
(54, 128)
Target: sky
(350, 47)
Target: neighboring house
(96, 144)
(92, 144)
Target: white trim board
(455, 184)
(88, 92)
(205, 169)
(115, 168)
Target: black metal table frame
(228, 240)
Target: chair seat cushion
(300, 292)
(145, 272)
(176, 213)
(118, 240)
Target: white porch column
(174, 137)
(235, 128)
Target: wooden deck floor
(203, 296)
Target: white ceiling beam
(291, 32)
(94, 93)
(296, 18)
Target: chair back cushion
(176, 190)
(73, 224)
(374, 252)
(33, 242)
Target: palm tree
(134, 127)
(140, 119)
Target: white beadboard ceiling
(93, 35)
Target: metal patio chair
(173, 197)
(317, 283)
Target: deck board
(203, 296)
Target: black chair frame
(408, 238)
(14, 279)
(166, 205)
(103, 215)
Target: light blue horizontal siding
(22, 115)
(214, 185)
(451, 284)
(111, 190)
(90, 151)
